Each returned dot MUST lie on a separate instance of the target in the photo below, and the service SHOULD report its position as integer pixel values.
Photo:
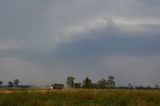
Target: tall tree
(1, 83)
(10, 84)
(111, 82)
(87, 83)
(70, 81)
(102, 83)
(16, 82)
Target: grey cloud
(103, 41)
(37, 21)
(112, 41)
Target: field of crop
(80, 97)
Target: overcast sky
(44, 41)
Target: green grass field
(80, 97)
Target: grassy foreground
(80, 98)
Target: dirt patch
(7, 91)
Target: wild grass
(81, 97)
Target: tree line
(103, 83)
(87, 83)
(14, 83)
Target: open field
(79, 97)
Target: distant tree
(130, 85)
(111, 82)
(10, 84)
(87, 83)
(70, 81)
(156, 86)
(1, 83)
(148, 87)
(77, 85)
(140, 87)
(16, 82)
(102, 83)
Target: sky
(45, 41)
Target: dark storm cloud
(112, 42)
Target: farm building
(57, 86)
